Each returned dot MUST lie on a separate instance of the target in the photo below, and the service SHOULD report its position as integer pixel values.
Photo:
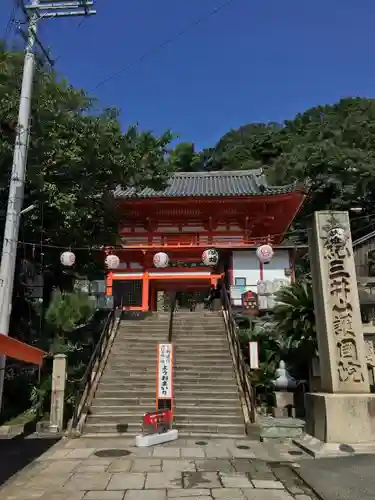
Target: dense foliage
(331, 148)
(77, 154)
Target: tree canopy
(77, 154)
(331, 148)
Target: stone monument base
(339, 424)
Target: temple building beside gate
(233, 212)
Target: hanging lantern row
(68, 259)
(210, 258)
(265, 254)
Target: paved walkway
(344, 478)
(113, 469)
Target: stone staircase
(206, 393)
(126, 390)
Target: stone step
(198, 314)
(193, 381)
(125, 345)
(201, 352)
(141, 385)
(198, 366)
(149, 402)
(213, 370)
(208, 385)
(216, 418)
(138, 343)
(212, 400)
(149, 333)
(128, 402)
(206, 378)
(117, 416)
(132, 429)
(111, 391)
(209, 347)
(131, 365)
(201, 436)
(193, 353)
(198, 359)
(202, 345)
(123, 368)
(201, 408)
(181, 394)
(124, 415)
(190, 330)
(125, 371)
(135, 378)
(208, 429)
(125, 325)
(200, 394)
(136, 340)
(202, 338)
(116, 408)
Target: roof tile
(206, 184)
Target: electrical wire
(11, 21)
(101, 248)
(164, 43)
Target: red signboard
(158, 417)
(159, 421)
(250, 303)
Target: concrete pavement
(190, 469)
(343, 478)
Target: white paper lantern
(161, 259)
(67, 259)
(210, 257)
(265, 253)
(112, 261)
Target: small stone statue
(284, 380)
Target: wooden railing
(247, 393)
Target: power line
(11, 20)
(163, 44)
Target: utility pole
(36, 10)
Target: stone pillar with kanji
(344, 410)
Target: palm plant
(295, 320)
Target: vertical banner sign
(253, 355)
(164, 374)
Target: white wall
(245, 264)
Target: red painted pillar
(145, 292)
(108, 283)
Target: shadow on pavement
(15, 454)
(343, 478)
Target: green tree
(68, 311)
(78, 154)
(184, 158)
(330, 148)
(294, 320)
(251, 146)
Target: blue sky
(253, 61)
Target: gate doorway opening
(190, 294)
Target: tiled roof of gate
(204, 184)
